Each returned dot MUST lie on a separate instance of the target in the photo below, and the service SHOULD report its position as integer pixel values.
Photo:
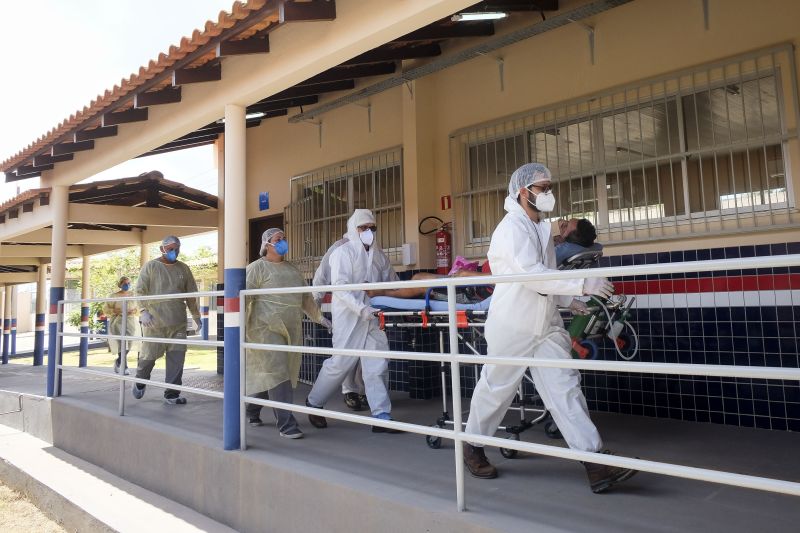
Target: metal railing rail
(455, 359)
(124, 338)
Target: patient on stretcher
(574, 242)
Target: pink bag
(463, 264)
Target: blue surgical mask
(171, 255)
(126, 286)
(281, 247)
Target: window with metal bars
(694, 152)
(323, 200)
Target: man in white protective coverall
(275, 319)
(165, 318)
(353, 385)
(355, 326)
(524, 321)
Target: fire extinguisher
(444, 243)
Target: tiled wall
(730, 318)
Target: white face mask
(544, 201)
(367, 237)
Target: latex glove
(147, 319)
(198, 324)
(324, 322)
(598, 287)
(368, 313)
(578, 307)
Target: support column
(219, 153)
(14, 295)
(144, 252)
(41, 305)
(235, 257)
(83, 356)
(7, 322)
(59, 204)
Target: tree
(106, 269)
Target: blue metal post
(6, 335)
(234, 282)
(13, 336)
(56, 294)
(38, 340)
(204, 314)
(83, 356)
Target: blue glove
(147, 319)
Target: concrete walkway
(83, 497)
(358, 480)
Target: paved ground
(530, 490)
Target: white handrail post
(123, 357)
(455, 380)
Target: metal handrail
(454, 358)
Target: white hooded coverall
(351, 263)
(524, 321)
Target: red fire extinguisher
(444, 243)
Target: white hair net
(527, 175)
(266, 236)
(361, 217)
(169, 239)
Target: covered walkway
(353, 479)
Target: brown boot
(316, 420)
(477, 463)
(603, 477)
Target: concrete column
(83, 356)
(144, 252)
(41, 305)
(7, 322)
(59, 204)
(235, 257)
(419, 201)
(14, 305)
(219, 153)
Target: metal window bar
(704, 126)
(123, 338)
(455, 358)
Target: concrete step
(83, 497)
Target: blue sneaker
(380, 429)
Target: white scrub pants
(336, 368)
(560, 389)
(354, 382)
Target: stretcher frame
(474, 321)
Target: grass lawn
(202, 358)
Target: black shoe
(381, 429)
(317, 421)
(353, 401)
(178, 400)
(255, 421)
(138, 391)
(603, 477)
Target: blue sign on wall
(263, 201)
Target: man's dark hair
(584, 235)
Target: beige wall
(633, 42)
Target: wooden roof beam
(170, 95)
(95, 133)
(125, 117)
(208, 72)
(44, 159)
(253, 45)
(349, 73)
(292, 11)
(396, 54)
(68, 148)
(438, 31)
(514, 5)
(308, 90)
(283, 104)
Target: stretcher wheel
(433, 441)
(586, 349)
(552, 431)
(507, 452)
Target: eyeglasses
(545, 188)
(365, 227)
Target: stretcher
(426, 313)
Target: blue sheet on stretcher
(418, 304)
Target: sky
(60, 54)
